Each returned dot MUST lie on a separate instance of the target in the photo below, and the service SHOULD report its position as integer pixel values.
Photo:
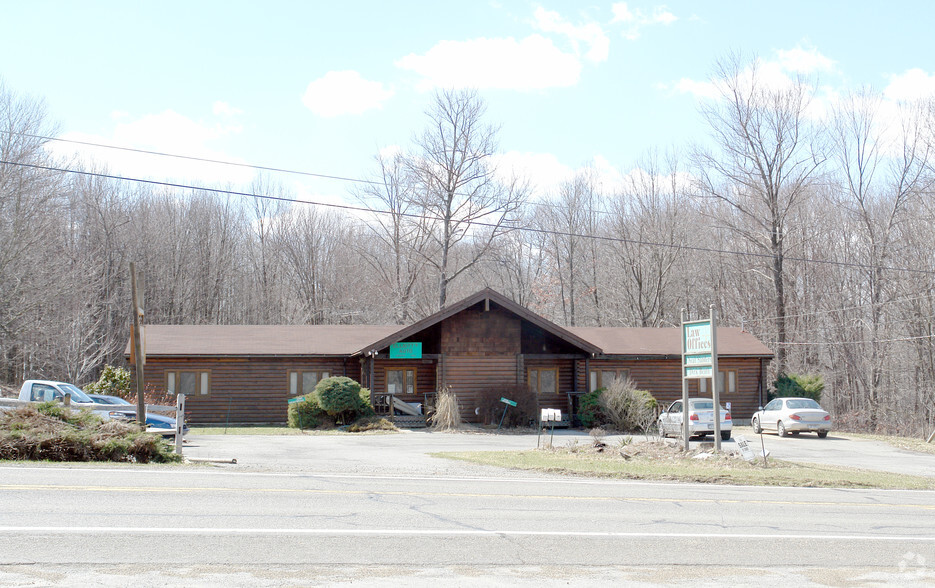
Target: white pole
(179, 422)
(684, 389)
(714, 374)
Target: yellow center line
(344, 492)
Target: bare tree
(879, 176)
(767, 161)
(459, 191)
(29, 201)
(401, 231)
(649, 219)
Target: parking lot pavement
(843, 450)
(402, 453)
(409, 452)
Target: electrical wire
(836, 310)
(476, 223)
(193, 158)
(244, 165)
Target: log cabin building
(246, 374)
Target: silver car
(700, 419)
(792, 415)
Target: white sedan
(792, 415)
(700, 419)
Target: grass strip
(715, 470)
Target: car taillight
(827, 417)
(727, 418)
(795, 417)
(693, 417)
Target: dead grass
(53, 432)
(666, 461)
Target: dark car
(164, 424)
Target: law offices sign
(697, 349)
(699, 361)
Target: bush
(490, 409)
(627, 408)
(590, 411)
(447, 415)
(114, 381)
(343, 399)
(307, 414)
(798, 385)
(371, 423)
(51, 431)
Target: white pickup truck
(48, 390)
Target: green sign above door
(408, 350)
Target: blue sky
(323, 86)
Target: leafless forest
(811, 225)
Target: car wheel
(781, 429)
(725, 435)
(822, 434)
(756, 426)
(662, 431)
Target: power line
(193, 158)
(477, 223)
(243, 165)
(834, 310)
(862, 342)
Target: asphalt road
(212, 527)
(380, 510)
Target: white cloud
(533, 63)
(804, 60)
(591, 34)
(544, 171)
(910, 85)
(221, 108)
(636, 20)
(698, 89)
(165, 132)
(344, 92)
(776, 74)
(621, 13)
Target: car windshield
(703, 405)
(77, 395)
(802, 403)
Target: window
(400, 380)
(190, 383)
(604, 378)
(543, 380)
(729, 375)
(304, 382)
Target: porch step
(408, 422)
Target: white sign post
(179, 422)
(699, 362)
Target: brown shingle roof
(666, 341)
(255, 340)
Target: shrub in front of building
(627, 408)
(343, 399)
(490, 407)
(307, 414)
(591, 411)
(798, 386)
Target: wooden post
(685, 434)
(714, 374)
(137, 308)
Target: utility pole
(136, 348)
